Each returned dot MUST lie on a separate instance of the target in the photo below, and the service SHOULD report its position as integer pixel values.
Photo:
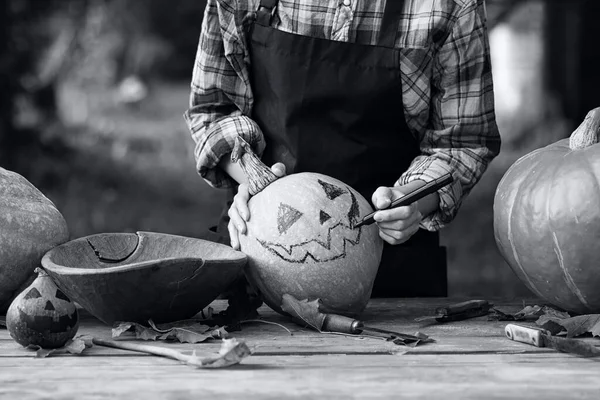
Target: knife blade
(540, 337)
(459, 311)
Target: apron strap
(265, 12)
(389, 24)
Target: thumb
(278, 169)
(382, 198)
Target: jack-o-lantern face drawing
(319, 234)
(301, 241)
(42, 315)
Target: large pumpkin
(30, 225)
(547, 219)
(301, 241)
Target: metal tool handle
(341, 324)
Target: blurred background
(92, 94)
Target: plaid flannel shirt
(445, 67)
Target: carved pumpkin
(42, 315)
(547, 220)
(301, 241)
(30, 225)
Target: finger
(236, 219)
(395, 221)
(278, 169)
(397, 213)
(382, 197)
(233, 236)
(397, 237)
(241, 202)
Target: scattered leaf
(185, 331)
(304, 311)
(230, 353)
(2, 322)
(141, 331)
(74, 346)
(422, 338)
(530, 313)
(194, 332)
(575, 326)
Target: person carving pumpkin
(382, 95)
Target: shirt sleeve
(462, 137)
(220, 99)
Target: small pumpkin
(42, 315)
(30, 225)
(547, 219)
(301, 241)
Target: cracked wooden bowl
(136, 277)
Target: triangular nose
(324, 217)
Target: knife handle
(525, 334)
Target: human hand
(396, 225)
(239, 213)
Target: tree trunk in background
(573, 61)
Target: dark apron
(336, 108)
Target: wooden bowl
(136, 277)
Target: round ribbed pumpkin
(42, 315)
(301, 241)
(30, 225)
(547, 219)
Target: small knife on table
(459, 311)
(540, 337)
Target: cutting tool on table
(540, 337)
(411, 197)
(342, 324)
(459, 311)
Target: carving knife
(343, 324)
(459, 311)
(409, 198)
(540, 337)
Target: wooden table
(470, 360)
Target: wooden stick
(227, 356)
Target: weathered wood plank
(548, 376)
(474, 336)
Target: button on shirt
(445, 71)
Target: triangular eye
(286, 217)
(32, 294)
(331, 191)
(324, 217)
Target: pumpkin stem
(40, 271)
(259, 175)
(587, 133)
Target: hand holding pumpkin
(396, 225)
(239, 212)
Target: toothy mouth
(339, 237)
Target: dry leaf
(304, 311)
(575, 326)
(141, 331)
(185, 331)
(2, 323)
(194, 332)
(230, 353)
(423, 338)
(74, 346)
(527, 313)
